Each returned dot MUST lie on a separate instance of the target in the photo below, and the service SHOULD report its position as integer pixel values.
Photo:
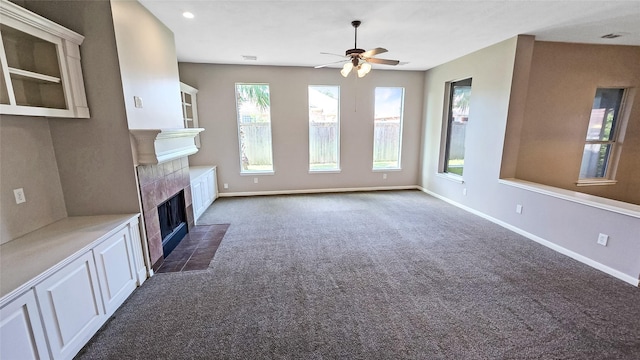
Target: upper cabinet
(190, 108)
(40, 71)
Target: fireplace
(173, 222)
(163, 170)
(158, 183)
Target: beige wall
(491, 70)
(71, 166)
(27, 161)
(148, 66)
(565, 225)
(562, 84)
(94, 155)
(289, 116)
(85, 166)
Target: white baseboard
(581, 258)
(316, 191)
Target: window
(387, 128)
(457, 118)
(254, 127)
(324, 128)
(598, 162)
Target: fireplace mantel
(156, 146)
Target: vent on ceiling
(249, 57)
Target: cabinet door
(136, 246)
(115, 269)
(206, 191)
(21, 332)
(196, 194)
(71, 307)
(190, 108)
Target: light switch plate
(137, 101)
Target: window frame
(338, 168)
(445, 137)
(238, 124)
(400, 130)
(618, 129)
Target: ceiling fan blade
(326, 53)
(331, 63)
(383, 61)
(373, 52)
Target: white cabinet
(190, 108)
(114, 261)
(53, 300)
(71, 307)
(21, 332)
(204, 188)
(138, 257)
(40, 71)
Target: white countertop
(29, 257)
(196, 171)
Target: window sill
(595, 182)
(455, 178)
(577, 197)
(386, 169)
(252, 173)
(332, 171)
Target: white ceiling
(421, 34)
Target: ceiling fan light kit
(359, 58)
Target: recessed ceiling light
(249, 57)
(611, 36)
(188, 15)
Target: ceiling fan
(359, 59)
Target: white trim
(580, 198)
(257, 172)
(451, 177)
(595, 182)
(378, 170)
(328, 171)
(581, 258)
(156, 146)
(315, 191)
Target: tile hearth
(196, 250)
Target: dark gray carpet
(381, 275)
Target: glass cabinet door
(189, 108)
(40, 66)
(34, 69)
(4, 94)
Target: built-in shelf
(30, 75)
(40, 70)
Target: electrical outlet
(226, 186)
(19, 195)
(519, 209)
(464, 191)
(384, 176)
(255, 180)
(603, 239)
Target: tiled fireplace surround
(157, 184)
